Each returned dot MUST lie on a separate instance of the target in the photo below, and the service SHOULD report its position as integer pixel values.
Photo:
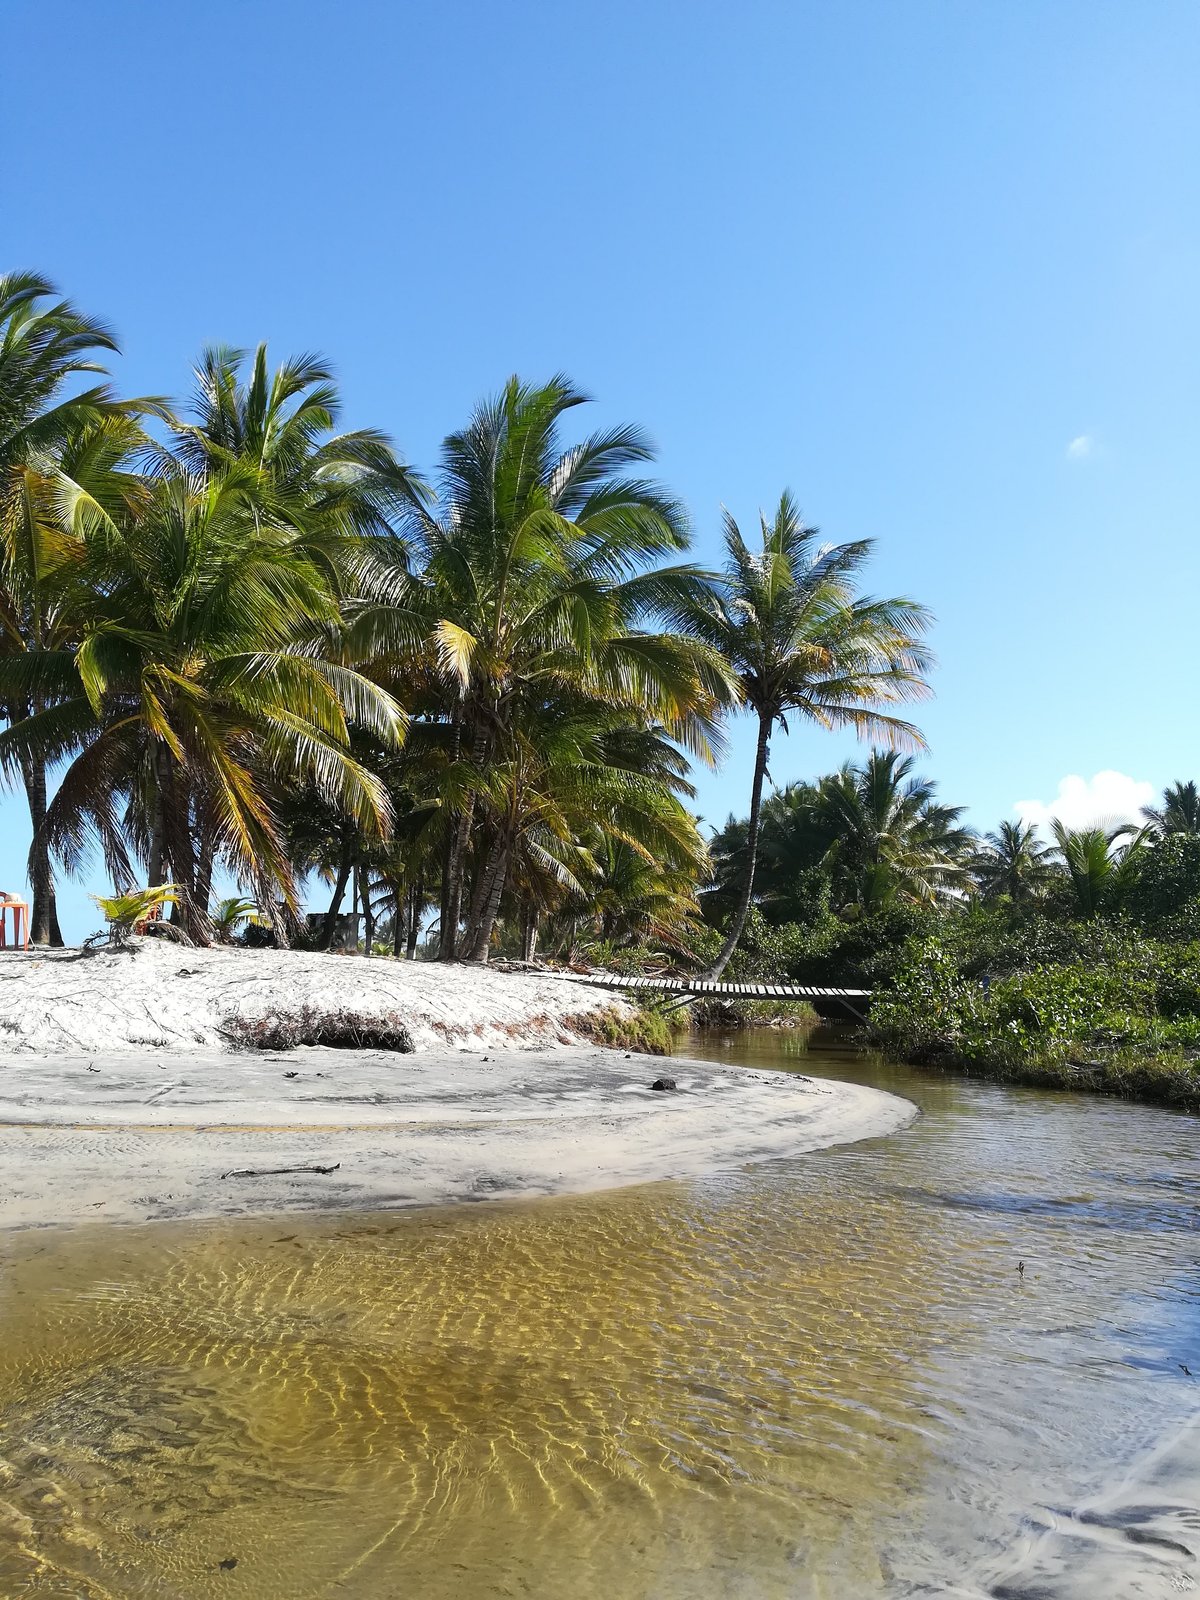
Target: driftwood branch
(278, 1172)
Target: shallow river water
(823, 1377)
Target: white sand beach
(121, 1098)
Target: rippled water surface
(818, 1378)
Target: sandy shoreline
(498, 1100)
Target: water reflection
(822, 1377)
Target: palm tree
(573, 768)
(1099, 864)
(44, 344)
(632, 898)
(1179, 811)
(228, 916)
(340, 493)
(889, 837)
(539, 593)
(195, 694)
(1014, 862)
(802, 641)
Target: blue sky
(898, 257)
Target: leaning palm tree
(1178, 812)
(45, 343)
(1012, 861)
(803, 642)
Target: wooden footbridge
(685, 990)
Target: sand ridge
(497, 1100)
(164, 997)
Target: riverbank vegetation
(1072, 962)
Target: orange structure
(20, 917)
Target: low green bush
(1086, 1006)
(650, 1029)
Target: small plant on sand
(126, 914)
(648, 1029)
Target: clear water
(816, 1378)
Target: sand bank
(126, 1130)
(157, 996)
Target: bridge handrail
(704, 986)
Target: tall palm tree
(802, 641)
(339, 493)
(1012, 861)
(1178, 812)
(45, 343)
(540, 586)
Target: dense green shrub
(1166, 894)
(1096, 1004)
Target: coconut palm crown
(1177, 812)
(1013, 861)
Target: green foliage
(123, 912)
(1179, 982)
(1177, 813)
(1099, 867)
(649, 1029)
(1088, 1004)
(227, 916)
(1012, 863)
(864, 838)
(1167, 891)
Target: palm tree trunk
(456, 861)
(43, 919)
(452, 858)
(414, 919)
(154, 860)
(179, 849)
(452, 895)
(479, 894)
(738, 921)
(325, 942)
(368, 915)
(497, 871)
(529, 933)
(204, 867)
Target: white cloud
(1107, 798)
(1079, 447)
